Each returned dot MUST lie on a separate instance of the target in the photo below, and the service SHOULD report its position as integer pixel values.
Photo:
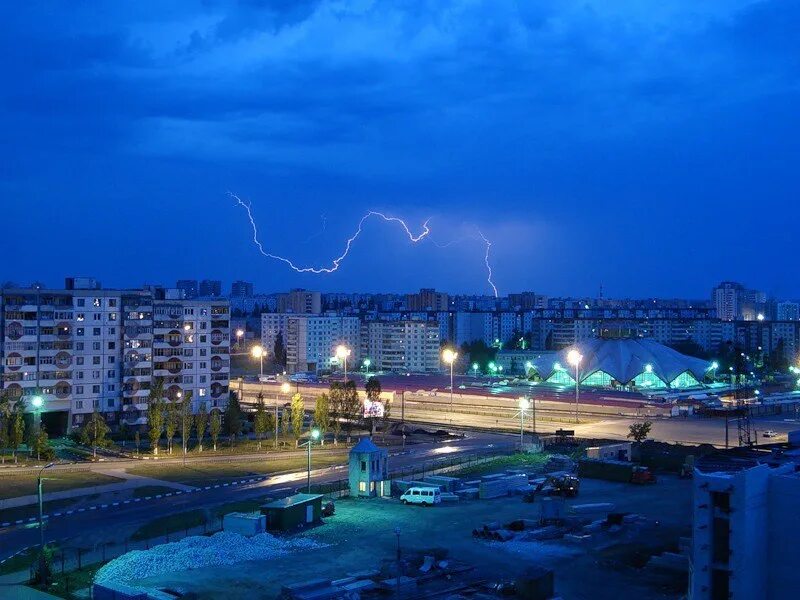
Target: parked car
(769, 433)
(426, 496)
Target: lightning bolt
(321, 231)
(336, 262)
(488, 264)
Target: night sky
(651, 147)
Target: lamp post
(367, 363)
(449, 356)
(342, 352)
(285, 389)
(259, 352)
(39, 480)
(314, 435)
(37, 402)
(523, 404)
(239, 336)
(574, 357)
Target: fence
(341, 487)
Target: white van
(426, 496)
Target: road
(115, 524)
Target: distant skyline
(648, 148)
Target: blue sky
(649, 147)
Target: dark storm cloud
(523, 116)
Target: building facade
(82, 349)
(401, 346)
(300, 302)
(241, 289)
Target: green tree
(5, 422)
(94, 431)
(373, 391)
(215, 427)
(322, 416)
(639, 431)
(200, 425)
(155, 414)
(186, 419)
(17, 432)
(261, 419)
(171, 414)
(298, 413)
(335, 402)
(233, 417)
(279, 350)
(286, 421)
(351, 408)
(41, 445)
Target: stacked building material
(496, 487)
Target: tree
(261, 419)
(279, 350)
(185, 414)
(200, 425)
(41, 445)
(639, 431)
(5, 422)
(123, 431)
(322, 414)
(215, 427)
(298, 413)
(233, 417)
(17, 433)
(351, 407)
(155, 414)
(373, 390)
(286, 421)
(94, 431)
(335, 400)
(170, 422)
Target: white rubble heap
(196, 552)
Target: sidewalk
(12, 588)
(131, 482)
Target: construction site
(538, 525)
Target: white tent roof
(624, 359)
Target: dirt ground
(361, 535)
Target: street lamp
(342, 352)
(259, 352)
(313, 436)
(239, 336)
(37, 402)
(523, 404)
(449, 356)
(475, 368)
(285, 389)
(39, 480)
(367, 363)
(574, 358)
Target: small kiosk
(369, 470)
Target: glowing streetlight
(367, 363)
(449, 356)
(342, 352)
(574, 358)
(259, 352)
(239, 336)
(475, 368)
(760, 317)
(523, 404)
(37, 402)
(312, 437)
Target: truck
(564, 484)
(615, 470)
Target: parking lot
(361, 535)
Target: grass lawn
(170, 524)
(20, 562)
(206, 473)
(19, 484)
(32, 510)
(514, 461)
(65, 586)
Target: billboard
(374, 409)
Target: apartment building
(401, 346)
(84, 347)
(745, 525)
(311, 340)
(428, 299)
(300, 302)
(241, 289)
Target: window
(112, 316)
(81, 302)
(96, 346)
(79, 346)
(96, 302)
(362, 486)
(80, 316)
(95, 331)
(111, 373)
(201, 392)
(112, 345)
(95, 360)
(363, 466)
(79, 403)
(97, 316)
(79, 389)
(112, 302)
(79, 331)
(110, 403)
(95, 389)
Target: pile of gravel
(196, 552)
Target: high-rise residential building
(787, 311)
(735, 302)
(189, 288)
(241, 289)
(427, 299)
(310, 341)
(300, 302)
(210, 288)
(526, 301)
(745, 526)
(401, 346)
(83, 348)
